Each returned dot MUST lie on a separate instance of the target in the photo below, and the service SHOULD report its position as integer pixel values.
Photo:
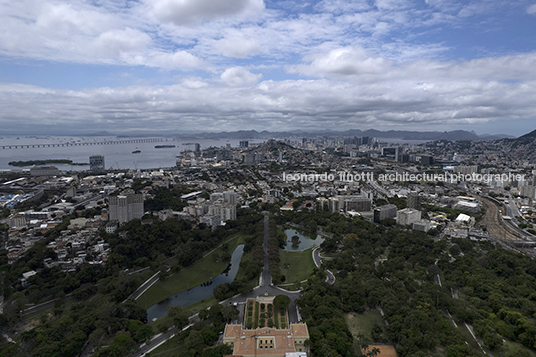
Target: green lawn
(246, 257)
(297, 266)
(168, 348)
(188, 278)
(361, 324)
(514, 349)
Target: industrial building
(467, 206)
(44, 171)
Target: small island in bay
(46, 162)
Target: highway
(512, 210)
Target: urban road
(265, 288)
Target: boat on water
(136, 151)
(164, 146)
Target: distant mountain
(391, 134)
(454, 135)
(525, 142)
(98, 133)
(495, 137)
(532, 135)
(519, 149)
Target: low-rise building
(466, 219)
(467, 206)
(421, 226)
(17, 221)
(266, 341)
(44, 171)
(111, 226)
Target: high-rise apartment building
(414, 200)
(408, 216)
(126, 206)
(384, 212)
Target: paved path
(161, 338)
(330, 278)
(45, 305)
(266, 277)
(144, 287)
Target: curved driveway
(330, 278)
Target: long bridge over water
(87, 143)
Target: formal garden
(264, 314)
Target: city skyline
(147, 66)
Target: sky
(166, 66)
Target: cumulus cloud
(61, 30)
(391, 4)
(342, 6)
(414, 95)
(351, 63)
(186, 12)
(194, 83)
(237, 46)
(176, 60)
(343, 61)
(239, 76)
(115, 42)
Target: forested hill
(489, 288)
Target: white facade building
(126, 206)
(408, 216)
